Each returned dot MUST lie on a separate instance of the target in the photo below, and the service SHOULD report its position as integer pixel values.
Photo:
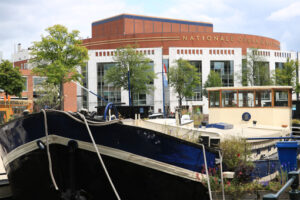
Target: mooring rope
(99, 156)
(48, 150)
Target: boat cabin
(262, 105)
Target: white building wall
(274, 56)
(205, 55)
(155, 54)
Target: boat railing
(296, 130)
(293, 182)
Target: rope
(99, 156)
(206, 170)
(48, 150)
(94, 123)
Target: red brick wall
(70, 89)
(70, 97)
(136, 26)
(111, 28)
(166, 40)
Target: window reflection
(225, 69)
(281, 98)
(214, 99)
(263, 98)
(229, 98)
(246, 98)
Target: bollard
(294, 193)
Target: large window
(225, 69)
(25, 83)
(214, 99)
(246, 98)
(279, 65)
(281, 98)
(263, 98)
(84, 93)
(37, 80)
(139, 99)
(261, 73)
(105, 90)
(229, 98)
(198, 90)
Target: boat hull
(30, 179)
(143, 164)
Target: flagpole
(163, 89)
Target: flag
(165, 76)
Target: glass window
(279, 65)
(139, 99)
(37, 80)
(246, 99)
(84, 93)
(281, 98)
(229, 98)
(261, 73)
(263, 98)
(25, 83)
(214, 99)
(198, 90)
(105, 90)
(225, 69)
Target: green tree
(141, 73)
(58, 55)
(287, 74)
(11, 80)
(47, 95)
(184, 78)
(255, 70)
(213, 80)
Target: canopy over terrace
(266, 105)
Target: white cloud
(23, 21)
(26, 22)
(291, 11)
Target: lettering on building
(230, 39)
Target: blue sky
(24, 21)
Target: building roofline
(160, 19)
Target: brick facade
(148, 32)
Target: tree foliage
(286, 75)
(255, 70)
(184, 78)
(57, 55)
(141, 73)
(47, 95)
(11, 80)
(213, 80)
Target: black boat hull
(30, 179)
(143, 164)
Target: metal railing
(293, 181)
